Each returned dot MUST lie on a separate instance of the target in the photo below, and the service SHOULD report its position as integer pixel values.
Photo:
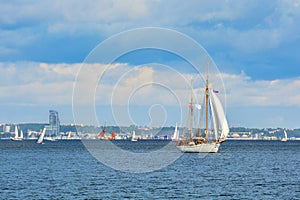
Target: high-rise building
(54, 123)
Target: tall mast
(191, 111)
(206, 102)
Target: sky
(254, 45)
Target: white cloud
(150, 85)
(37, 83)
(243, 91)
(122, 84)
(20, 73)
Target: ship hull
(200, 148)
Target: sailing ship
(219, 130)
(41, 138)
(102, 134)
(285, 138)
(17, 137)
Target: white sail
(214, 119)
(220, 115)
(21, 134)
(16, 132)
(175, 134)
(285, 136)
(42, 135)
(133, 137)
(69, 134)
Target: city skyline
(255, 46)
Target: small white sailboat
(175, 136)
(220, 129)
(17, 137)
(133, 139)
(41, 138)
(285, 138)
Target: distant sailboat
(285, 138)
(175, 136)
(17, 137)
(220, 129)
(41, 138)
(102, 135)
(133, 139)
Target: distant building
(6, 128)
(54, 124)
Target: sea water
(66, 170)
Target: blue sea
(66, 170)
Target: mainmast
(191, 106)
(206, 102)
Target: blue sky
(255, 45)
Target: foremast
(191, 107)
(206, 102)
